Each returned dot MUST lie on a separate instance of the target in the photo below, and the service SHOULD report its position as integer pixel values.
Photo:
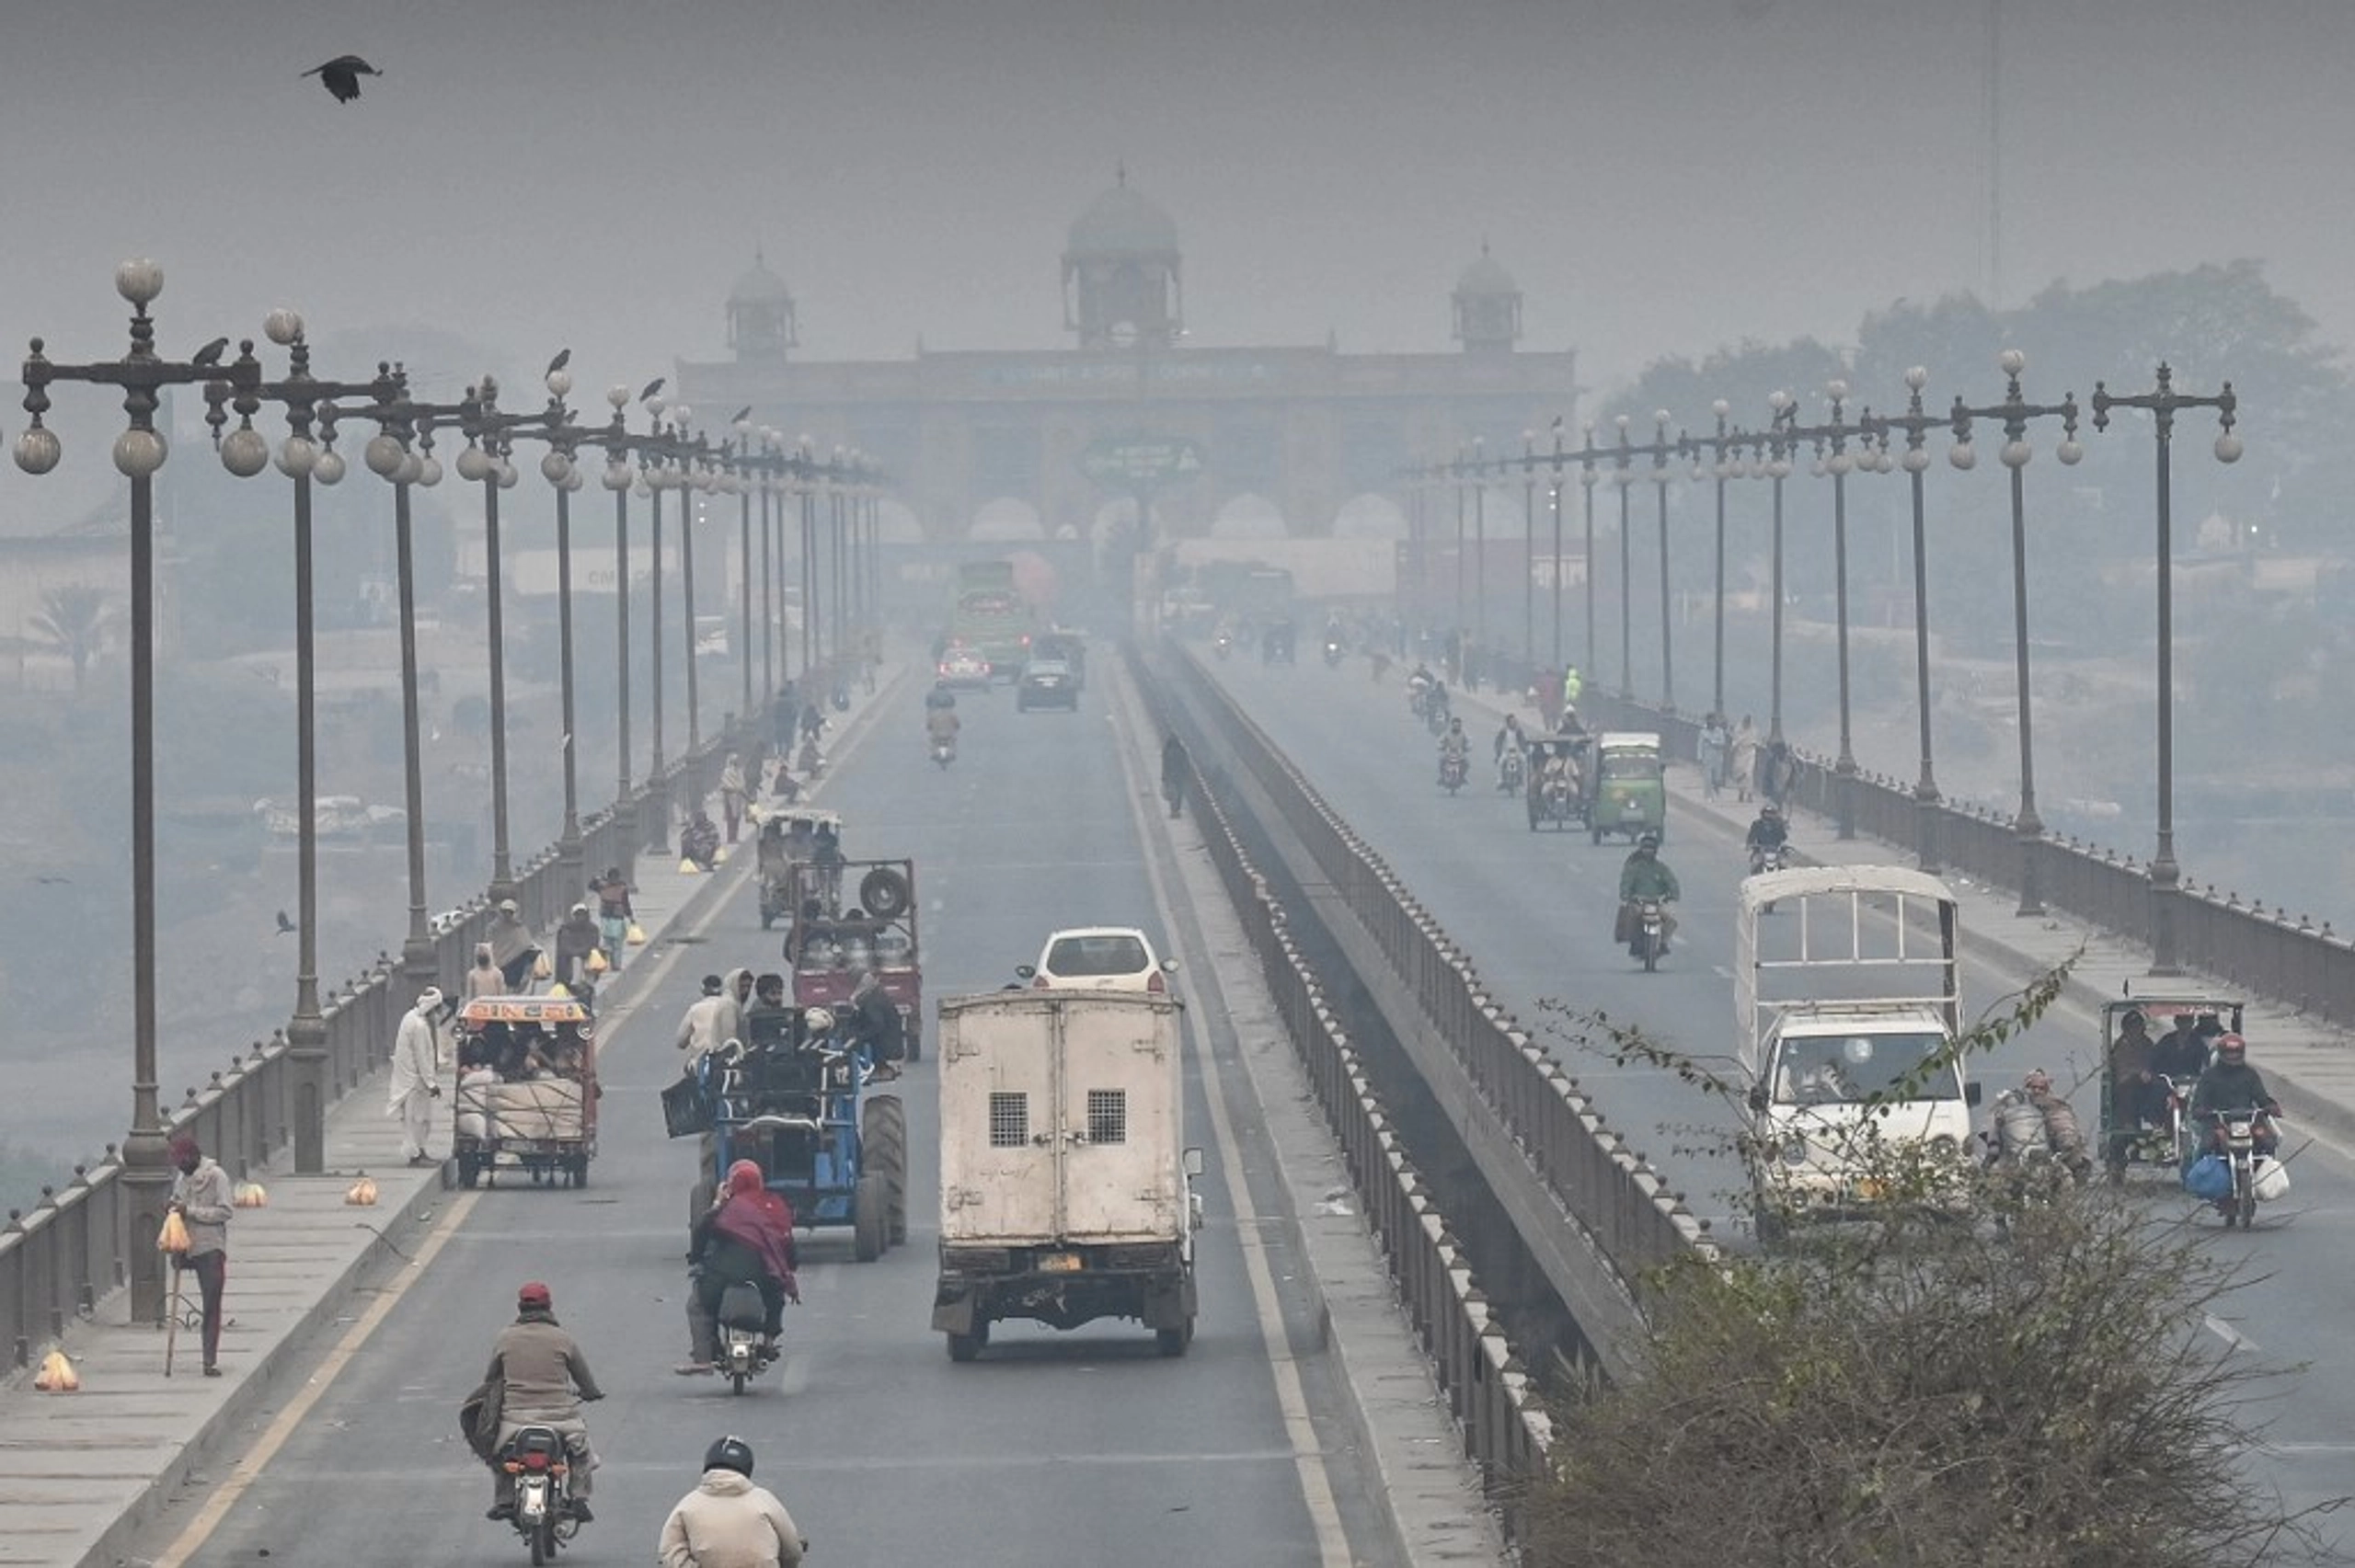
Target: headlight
(1945, 1147)
(1795, 1150)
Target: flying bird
(284, 925)
(652, 387)
(741, 415)
(341, 75)
(210, 353)
(563, 358)
(51, 881)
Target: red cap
(533, 1295)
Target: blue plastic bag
(2208, 1178)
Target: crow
(51, 881)
(210, 353)
(284, 925)
(740, 415)
(652, 387)
(563, 358)
(341, 75)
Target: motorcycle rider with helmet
(543, 1381)
(2230, 1084)
(1645, 876)
(1767, 836)
(728, 1522)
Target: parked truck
(1848, 1003)
(1066, 1190)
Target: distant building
(1295, 441)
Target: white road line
(1292, 1398)
(250, 1468)
(2228, 1333)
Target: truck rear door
(1120, 1088)
(1002, 1171)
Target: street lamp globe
(655, 404)
(245, 452)
(429, 471)
(574, 479)
(411, 470)
(507, 475)
(2071, 451)
(296, 456)
(1836, 390)
(1721, 407)
(1586, 477)
(328, 469)
(39, 449)
(474, 465)
(2011, 361)
(1778, 400)
(1839, 462)
(383, 454)
(617, 475)
(283, 326)
(1916, 378)
(1917, 459)
(2228, 448)
(559, 384)
(2016, 453)
(1964, 456)
(139, 280)
(617, 397)
(556, 467)
(138, 453)
(1779, 468)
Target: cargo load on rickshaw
(2150, 1067)
(527, 1090)
(797, 834)
(853, 918)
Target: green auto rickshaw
(1626, 788)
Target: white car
(1100, 957)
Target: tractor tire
(883, 1137)
(870, 1224)
(883, 893)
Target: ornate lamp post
(1662, 447)
(1720, 470)
(1838, 462)
(2014, 411)
(2163, 400)
(1777, 446)
(737, 477)
(691, 478)
(1529, 550)
(1915, 422)
(1623, 478)
(1479, 562)
(1554, 507)
(139, 452)
(617, 479)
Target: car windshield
(1843, 1069)
(1630, 765)
(1111, 955)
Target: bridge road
(1054, 1449)
(1534, 910)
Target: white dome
(1006, 518)
(1247, 516)
(896, 523)
(1371, 516)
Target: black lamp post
(2015, 411)
(1779, 437)
(1456, 470)
(139, 452)
(1554, 507)
(1624, 476)
(1838, 464)
(1720, 470)
(1662, 447)
(1915, 422)
(812, 599)
(1587, 477)
(689, 479)
(1528, 551)
(2163, 400)
(738, 478)
(617, 480)
(244, 451)
(1479, 649)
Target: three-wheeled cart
(527, 1090)
(2143, 1122)
(851, 916)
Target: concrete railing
(1488, 1392)
(71, 1247)
(2272, 954)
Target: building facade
(1295, 442)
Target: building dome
(759, 286)
(760, 323)
(1488, 306)
(1486, 279)
(1123, 222)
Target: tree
(73, 619)
(1991, 1372)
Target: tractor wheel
(884, 1140)
(870, 1224)
(469, 1170)
(883, 893)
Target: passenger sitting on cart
(2182, 1054)
(826, 854)
(771, 850)
(768, 1020)
(559, 1055)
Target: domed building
(1488, 306)
(759, 315)
(1122, 287)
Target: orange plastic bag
(173, 1237)
(57, 1375)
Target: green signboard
(1131, 463)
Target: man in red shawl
(747, 1238)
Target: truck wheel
(1172, 1343)
(871, 1230)
(963, 1347)
(579, 1171)
(469, 1170)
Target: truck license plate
(1059, 1263)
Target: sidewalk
(82, 1473)
(2309, 1063)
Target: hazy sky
(1660, 174)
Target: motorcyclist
(1767, 835)
(728, 1522)
(941, 724)
(2231, 1084)
(1510, 738)
(1645, 876)
(2061, 1134)
(745, 1238)
(543, 1381)
(1454, 746)
(940, 696)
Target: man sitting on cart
(745, 1239)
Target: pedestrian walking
(1712, 746)
(734, 795)
(576, 937)
(1175, 766)
(415, 1082)
(614, 912)
(1741, 758)
(203, 1200)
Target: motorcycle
(1451, 772)
(542, 1469)
(2233, 1137)
(1435, 714)
(944, 752)
(1332, 653)
(1763, 860)
(1510, 770)
(745, 1349)
(1651, 937)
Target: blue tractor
(803, 1105)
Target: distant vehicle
(1069, 647)
(1101, 957)
(964, 666)
(990, 616)
(1046, 683)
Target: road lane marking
(1291, 1397)
(256, 1460)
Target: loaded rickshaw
(527, 1090)
(1627, 787)
(2155, 1134)
(1554, 780)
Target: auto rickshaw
(527, 1090)
(1626, 789)
(2154, 1135)
(788, 836)
(1555, 780)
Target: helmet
(819, 1021)
(1649, 842)
(534, 1295)
(1770, 809)
(2232, 1048)
(730, 1452)
(2037, 1081)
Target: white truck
(1066, 1190)
(1848, 1000)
